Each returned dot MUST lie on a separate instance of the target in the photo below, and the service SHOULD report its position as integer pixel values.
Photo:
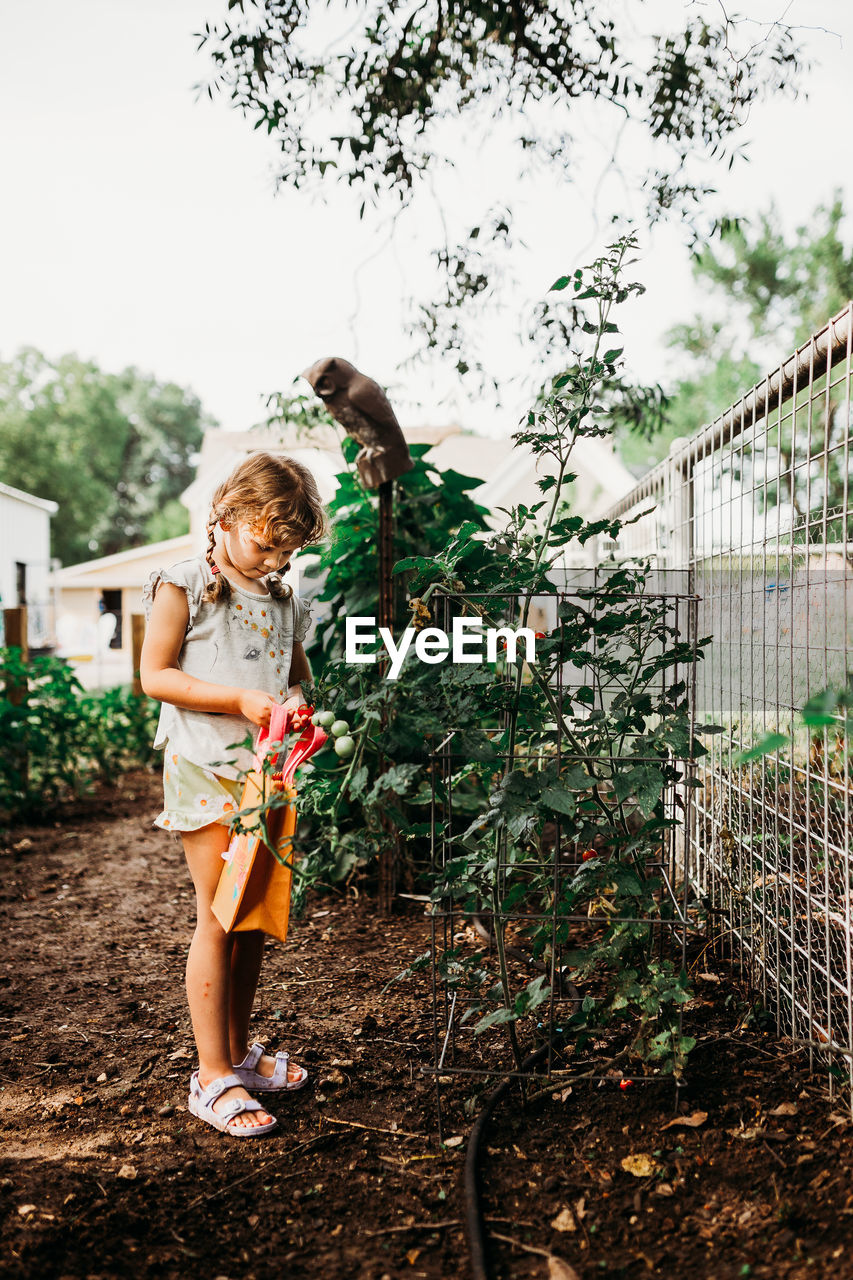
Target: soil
(105, 1174)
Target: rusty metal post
(15, 632)
(386, 554)
(15, 623)
(388, 856)
(137, 635)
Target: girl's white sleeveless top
(246, 642)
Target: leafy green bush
(59, 739)
(379, 799)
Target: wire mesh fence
(756, 507)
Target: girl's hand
(256, 706)
(295, 701)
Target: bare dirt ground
(105, 1174)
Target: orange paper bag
(254, 886)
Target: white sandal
(253, 1079)
(200, 1104)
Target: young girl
(223, 646)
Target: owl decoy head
(360, 405)
(328, 375)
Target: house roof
(509, 472)
(132, 564)
(319, 449)
(508, 475)
(45, 504)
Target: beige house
(95, 599)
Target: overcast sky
(140, 226)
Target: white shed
(25, 563)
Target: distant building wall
(25, 560)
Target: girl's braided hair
(278, 498)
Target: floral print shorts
(195, 797)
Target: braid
(220, 588)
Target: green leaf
(397, 779)
(822, 709)
(643, 782)
(769, 743)
(412, 562)
(560, 800)
(537, 991)
(576, 778)
(495, 1018)
(358, 782)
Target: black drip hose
(473, 1211)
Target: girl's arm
(162, 679)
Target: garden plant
(546, 768)
(57, 740)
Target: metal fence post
(679, 491)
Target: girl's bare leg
(209, 982)
(246, 958)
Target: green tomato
(325, 718)
(344, 746)
(315, 719)
(340, 729)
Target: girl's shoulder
(301, 616)
(191, 575)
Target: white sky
(139, 226)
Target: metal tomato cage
(456, 929)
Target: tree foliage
(361, 92)
(785, 287)
(114, 450)
(767, 291)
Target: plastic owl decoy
(361, 407)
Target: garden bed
(105, 1174)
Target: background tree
(379, 95)
(774, 290)
(114, 450)
(784, 288)
(767, 292)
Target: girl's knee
(208, 927)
